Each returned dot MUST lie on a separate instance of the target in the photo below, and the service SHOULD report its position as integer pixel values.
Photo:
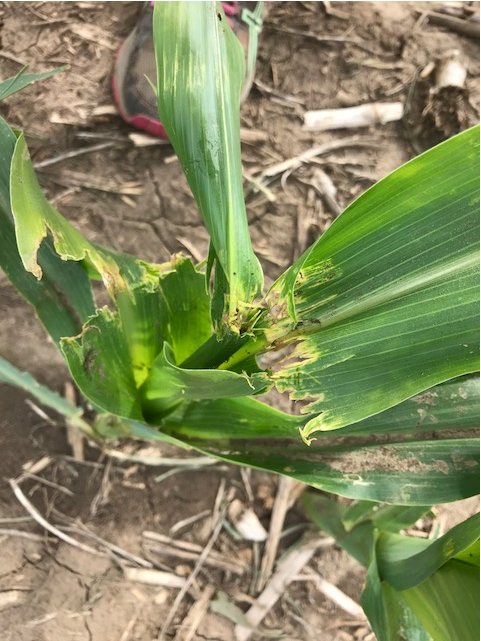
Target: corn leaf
(63, 298)
(161, 303)
(386, 303)
(167, 380)
(99, 361)
(35, 217)
(22, 79)
(400, 458)
(185, 310)
(356, 529)
(404, 570)
(438, 581)
(390, 617)
(23, 380)
(40, 228)
(155, 308)
(414, 468)
(200, 71)
(358, 537)
(155, 303)
(447, 603)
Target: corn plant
(376, 323)
(416, 589)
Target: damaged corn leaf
(170, 304)
(62, 299)
(35, 217)
(387, 301)
(127, 280)
(99, 361)
(419, 465)
(431, 455)
(411, 472)
(200, 71)
(153, 311)
(155, 303)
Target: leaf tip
(305, 435)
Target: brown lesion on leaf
(428, 398)
(463, 462)
(383, 459)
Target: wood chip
(104, 110)
(100, 183)
(297, 161)
(288, 568)
(246, 522)
(167, 546)
(154, 577)
(374, 113)
(252, 136)
(35, 468)
(195, 616)
(287, 489)
(334, 594)
(144, 140)
(469, 27)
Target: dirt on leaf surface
(312, 55)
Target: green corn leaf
(447, 603)
(22, 79)
(357, 537)
(63, 298)
(404, 570)
(200, 71)
(185, 310)
(405, 465)
(166, 381)
(162, 303)
(390, 617)
(223, 420)
(23, 380)
(438, 581)
(391, 518)
(386, 303)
